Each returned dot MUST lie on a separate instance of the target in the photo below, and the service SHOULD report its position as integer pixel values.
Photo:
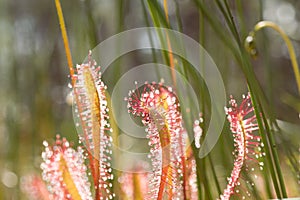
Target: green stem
(234, 28)
(229, 20)
(180, 65)
(276, 159)
(150, 37)
(227, 17)
(178, 16)
(255, 92)
(266, 141)
(158, 21)
(268, 78)
(208, 193)
(241, 17)
(93, 37)
(214, 174)
(202, 40)
(217, 26)
(203, 105)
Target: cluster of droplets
(197, 132)
(64, 171)
(247, 145)
(159, 109)
(91, 111)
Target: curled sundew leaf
(246, 144)
(91, 108)
(158, 107)
(65, 172)
(35, 188)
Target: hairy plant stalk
(242, 124)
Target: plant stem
(217, 26)
(276, 159)
(269, 78)
(234, 31)
(214, 174)
(166, 11)
(229, 19)
(171, 59)
(94, 40)
(180, 29)
(241, 17)
(178, 16)
(202, 96)
(150, 36)
(265, 140)
(158, 20)
(65, 37)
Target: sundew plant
(169, 99)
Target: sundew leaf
(65, 172)
(91, 109)
(158, 107)
(247, 145)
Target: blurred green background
(34, 73)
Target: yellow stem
(289, 45)
(65, 37)
(166, 10)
